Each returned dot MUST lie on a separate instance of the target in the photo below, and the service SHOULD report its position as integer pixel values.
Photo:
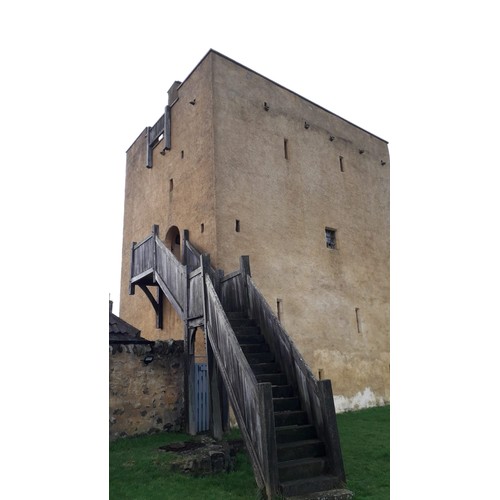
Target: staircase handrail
(192, 256)
(251, 401)
(142, 257)
(316, 396)
(172, 273)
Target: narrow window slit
(202, 227)
(182, 154)
(171, 185)
(341, 161)
(285, 147)
(237, 227)
(358, 320)
(279, 308)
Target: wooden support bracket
(156, 303)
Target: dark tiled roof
(121, 332)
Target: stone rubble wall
(146, 398)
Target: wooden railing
(316, 396)
(154, 134)
(251, 401)
(182, 284)
(142, 257)
(233, 292)
(171, 276)
(191, 254)
(201, 293)
(151, 257)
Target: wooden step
(296, 417)
(254, 348)
(288, 433)
(287, 403)
(238, 322)
(250, 339)
(273, 378)
(236, 315)
(282, 391)
(300, 449)
(246, 330)
(259, 368)
(325, 486)
(259, 357)
(301, 469)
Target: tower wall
(247, 149)
(177, 191)
(334, 302)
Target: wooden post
(222, 392)
(213, 372)
(166, 129)
(185, 237)
(245, 265)
(149, 152)
(189, 383)
(245, 271)
(270, 458)
(215, 403)
(155, 234)
(331, 433)
(218, 275)
(131, 287)
(159, 312)
(186, 312)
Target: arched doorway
(173, 241)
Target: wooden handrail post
(215, 399)
(131, 287)
(154, 230)
(205, 266)
(331, 433)
(189, 383)
(245, 271)
(149, 152)
(213, 374)
(185, 237)
(245, 265)
(219, 274)
(270, 458)
(159, 312)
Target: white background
(81, 80)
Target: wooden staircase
(286, 416)
(302, 461)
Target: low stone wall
(146, 398)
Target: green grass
(138, 470)
(364, 437)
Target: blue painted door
(201, 392)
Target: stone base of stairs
(341, 494)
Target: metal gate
(201, 395)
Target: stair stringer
(251, 401)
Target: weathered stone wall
(280, 175)
(146, 398)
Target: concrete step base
(308, 488)
(340, 494)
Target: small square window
(331, 237)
